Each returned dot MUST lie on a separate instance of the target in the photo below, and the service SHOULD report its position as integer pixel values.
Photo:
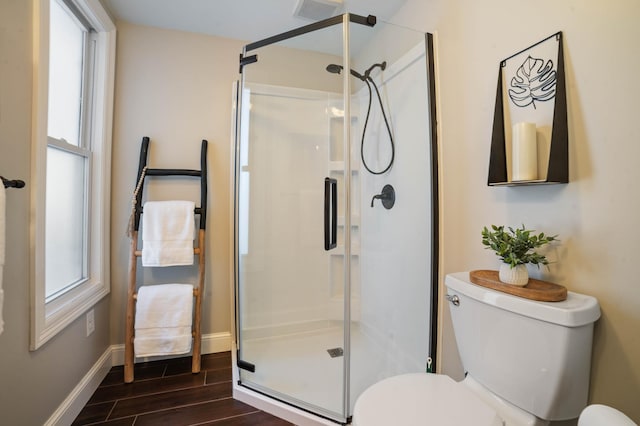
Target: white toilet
(601, 415)
(526, 363)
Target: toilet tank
(536, 355)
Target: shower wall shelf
(339, 251)
(558, 164)
(355, 220)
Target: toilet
(525, 363)
(599, 415)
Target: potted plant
(515, 248)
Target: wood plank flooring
(167, 393)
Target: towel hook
(12, 183)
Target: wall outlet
(91, 323)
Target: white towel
(163, 320)
(2, 249)
(168, 233)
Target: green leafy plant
(515, 246)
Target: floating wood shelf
(541, 291)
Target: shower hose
(367, 79)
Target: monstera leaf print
(534, 81)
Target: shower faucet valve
(388, 197)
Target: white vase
(516, 276)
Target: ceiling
(248, 20)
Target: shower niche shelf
(339, 251)
(510, 107)
(355, 221)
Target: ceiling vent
(317, 10)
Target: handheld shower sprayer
(382, 67)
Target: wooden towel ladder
(198, 291)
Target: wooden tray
(542, 291)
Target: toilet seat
(422, 399)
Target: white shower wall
(395, 244)
(292, 131)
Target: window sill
(61, 312)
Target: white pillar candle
(524, 152)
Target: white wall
(174, 87)
(596, 214)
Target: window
(73, 82)
(71, 48)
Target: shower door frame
(345, 19)
(247, 59)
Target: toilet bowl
(519, 357)
(599, 415)
(422, 399)
(435, 399)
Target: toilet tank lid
(577, 310)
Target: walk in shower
(335, 212)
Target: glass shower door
(291, 310)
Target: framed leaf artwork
(531, 90)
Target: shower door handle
(330, 213)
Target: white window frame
(48, 319)
(87, 155)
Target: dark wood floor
(167, 393)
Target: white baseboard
(211, 343)
(67, 412)
(77, 399)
